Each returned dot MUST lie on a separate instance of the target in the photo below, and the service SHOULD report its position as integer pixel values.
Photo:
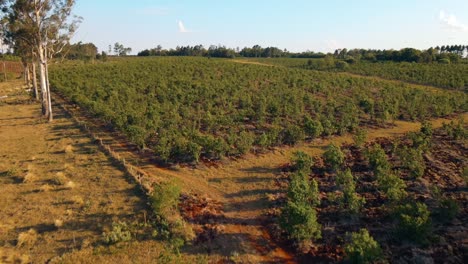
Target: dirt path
(242, 185)
(54, 180)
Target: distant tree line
(447, 54)
(221, 51)
(442, 54)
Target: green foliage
(377, 159)
(412, 159)
(362, 248)
(300, 222)
(359, 137)
(165, 199)
(187, 108)
(313, 128)
(392, 185)
(456, 130)
(299, 217)
(443, 75)
(301, 162)
(169, 224)
(301, 190)
(413, 222)
(350, 199)
(333, 157)
(120, 233)
(293, 134)
(426, 129)
(447, 209)
(420, 141)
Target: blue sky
(296, 25)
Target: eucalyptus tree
(43, 26)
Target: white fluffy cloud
(450, 21)
(182, 28)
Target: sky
(297, 25)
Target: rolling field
(228, 134)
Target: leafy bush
(120, 233)
(302, 191)
(412, 159)
(350, 199)
(169, 224)
(457, 130)
(362, 248)
(359, 137)
(299, 217)
(299, 220)
(447, 209)
(165, 198)
(392, 185)
(333, 157)
(413, 222)
(377, 159)
(301, 161)
(292, 135)
(313, 128)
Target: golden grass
(68, 149)
(27, 238)
(29, 178)
(60, 178)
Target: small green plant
(413, 222)
(359, 137)
(426, 129)
(169, 224)
(392, 185)
(120, 233)
(303, 191)
(412, 159)
(301, 161)
(299, 217)
(313, 128)
(333, 157)
(299, 220)
(350, 199)
(165, 198)
(447, 209)
(377, 159)
(362, 248)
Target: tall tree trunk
(49, 100)
(34, 80)
(42, 80)
(4, 70)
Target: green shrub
(412, 159)
(313, 128)
(350, 199)
(447, 209)
(377, 159)
(362, 248)
(299, 220)
(360, 137)
(420, 141)
(392, 185)
(292, 135)
(165, 199)
(120, 233)
(302, 191)
(298, 217)
(333, 157)
(413, 222)
(426, 129)
(301, 161)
